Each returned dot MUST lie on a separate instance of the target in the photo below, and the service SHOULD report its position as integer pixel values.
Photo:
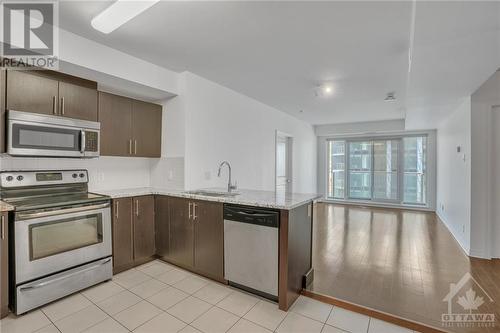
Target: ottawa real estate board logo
(30, 36)
(467, 302)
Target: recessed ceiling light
(391, 96)
(324, 90)
(119, 13)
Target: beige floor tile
(119, 302)
(137, 315)
(164, 323)
(102, 291)
(173, 276)
(81, 320)
(191, 284)
(155, 269)
(148, 288)
(238, 303)
(266, 314)
(245, 326)
(167, 298)
(131, 278)
(107, 326)
(379, 326)
(26, 323)
(189, 329)
(215, 320)
(331, 329)
(213, 293)
(312, 308)
(296, 323)
(189, 309)
(65, 306)
(348, 320)
(48, 329)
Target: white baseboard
(453, 233)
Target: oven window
(50, 238)
(38, 137)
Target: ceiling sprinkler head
(391, 96)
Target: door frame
(289, 138)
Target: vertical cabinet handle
(189, 210)
(136, 207)
(194, 211)
(54, 104)
(135, 147)
(62, 106)
(130, 147)
(3, 226)
(116, 209)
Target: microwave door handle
(82, 144)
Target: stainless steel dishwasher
(251, 249)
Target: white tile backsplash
(107, 173)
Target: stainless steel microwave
(32, 134)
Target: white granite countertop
(267, 199)
(5, 207)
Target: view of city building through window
(385, 170)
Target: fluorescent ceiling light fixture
(119, 13)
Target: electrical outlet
(442, 207)
(463, 228)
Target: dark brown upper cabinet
(144, 227)
(77, 102)
(115, 115)
(146, 129)
(50, 94)
(129, 127)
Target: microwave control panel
(91, 141)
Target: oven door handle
(43, 284)
(28, 216)
(83, 143)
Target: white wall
(221, 124)
(453, 173)
(483, 225)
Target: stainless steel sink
(212, 193)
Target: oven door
(36, 139)
(51, 241)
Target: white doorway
(284, 150)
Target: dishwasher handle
(264, 217)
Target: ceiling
(278, 52)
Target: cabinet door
(209, 238)
(31, 93)
(162, 225)
(77, 102)
(144, 227)
(4, 266)
(146, 129)
(181, 232)
(123, 255)
(115, 115)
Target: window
(382, 170)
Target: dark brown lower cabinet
(191, 234)
(133, 231)
(4, 266)
(123, 250)
(209, 238)
(144, 227)
(181, 242)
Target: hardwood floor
(399, 262)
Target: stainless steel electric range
(61, 240)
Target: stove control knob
(82, 175)
(19, 178)
(9, 178)
(74, 175)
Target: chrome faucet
(230, 186)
